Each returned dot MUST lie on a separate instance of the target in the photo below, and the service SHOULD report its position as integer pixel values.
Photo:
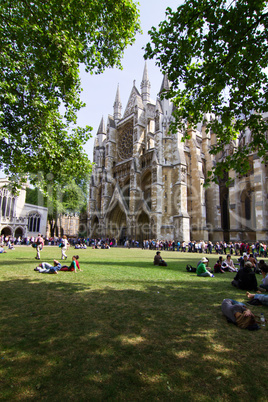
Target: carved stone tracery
(125, 143)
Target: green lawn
(124, 330)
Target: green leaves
(42, 45)
(215, 54)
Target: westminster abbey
(148, 184)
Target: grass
(124, 330)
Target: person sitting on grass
(242, 260)
(74, 265)
(158, 260)
(245, 278)
(264, 272)
(262, 299)
(218, 266)
(10, 245)
(229, 264)
(239, 314)
(202, 268)
(2, 250)
(46, 268)
(253, 261)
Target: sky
(99, 90)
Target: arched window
(247, 209)
(4, 206)
(30, 224)
(34, 220)
(12, 207)
(34, 225)
(8, 206)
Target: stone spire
(101, 134)
(145, 86)
(101, 129)
(117, 106)
(165, 84)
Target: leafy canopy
(215, 54)
(42, 45)
(70, 198)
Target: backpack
(189, 268)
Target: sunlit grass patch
(123, 329)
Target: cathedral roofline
(134, 99)
(125, 120)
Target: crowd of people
(245, 279)
(208, 247)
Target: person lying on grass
(2, 250)
(202, 269)
(74, 265)
(260, 298)
(239, 314)
(46, 268)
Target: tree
(42, 45)
(71, 198)
(215, 54)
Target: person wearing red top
(74, 265)
(39, 245)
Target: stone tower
(148, 184)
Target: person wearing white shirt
(64, 247)
(230, 264)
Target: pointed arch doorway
(116, 224)
(143, 228)
(6, 231)
(95, 228)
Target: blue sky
(99, 90)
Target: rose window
(125, 145)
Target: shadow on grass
(62, 341)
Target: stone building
(17, 218)
(147, 183)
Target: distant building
(147, 183)
(17, 218)
(65, 224)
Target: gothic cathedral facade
(148, 184)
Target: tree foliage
(215, 54)
(70, 198)
(42, 45)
